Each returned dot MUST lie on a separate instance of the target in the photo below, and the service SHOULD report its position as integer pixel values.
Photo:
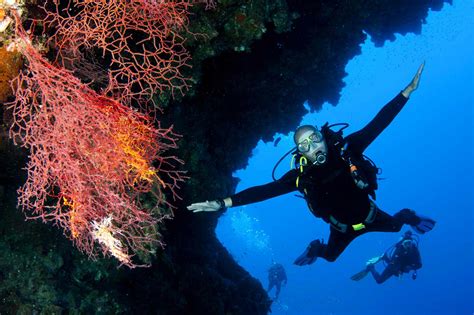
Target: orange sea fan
(90, 159)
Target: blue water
(427, 159)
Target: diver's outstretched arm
(360, 140)
(374, 260)
(250, 195)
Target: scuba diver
(337, 182)
(401, 258)
(276, 275)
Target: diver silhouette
(276, 277)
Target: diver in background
(336, 182)
(403, 257)
(276, 276)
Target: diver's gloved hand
(373, 260)
(310, 254)
(413, 85)
(207, 206)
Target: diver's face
(312, 146)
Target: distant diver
(276, 277)
(403, 257)
(338, 183)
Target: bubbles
(246, 228)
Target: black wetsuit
(401, 260)
(331, 192)
(276, 275)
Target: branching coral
(141, 38)
(90, 159)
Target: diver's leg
(278, 288)
(421, 224)
(337, 243)
(381, 278)
(384, 222)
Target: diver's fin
(425, 225)
(360, 275)
(305, 258)
(310, 254)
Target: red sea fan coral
(91, 158)
(140, 38)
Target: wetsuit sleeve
(259, 193)
(360, 140)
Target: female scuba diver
(330, 175)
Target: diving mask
(305, 145)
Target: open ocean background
(427, 159)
